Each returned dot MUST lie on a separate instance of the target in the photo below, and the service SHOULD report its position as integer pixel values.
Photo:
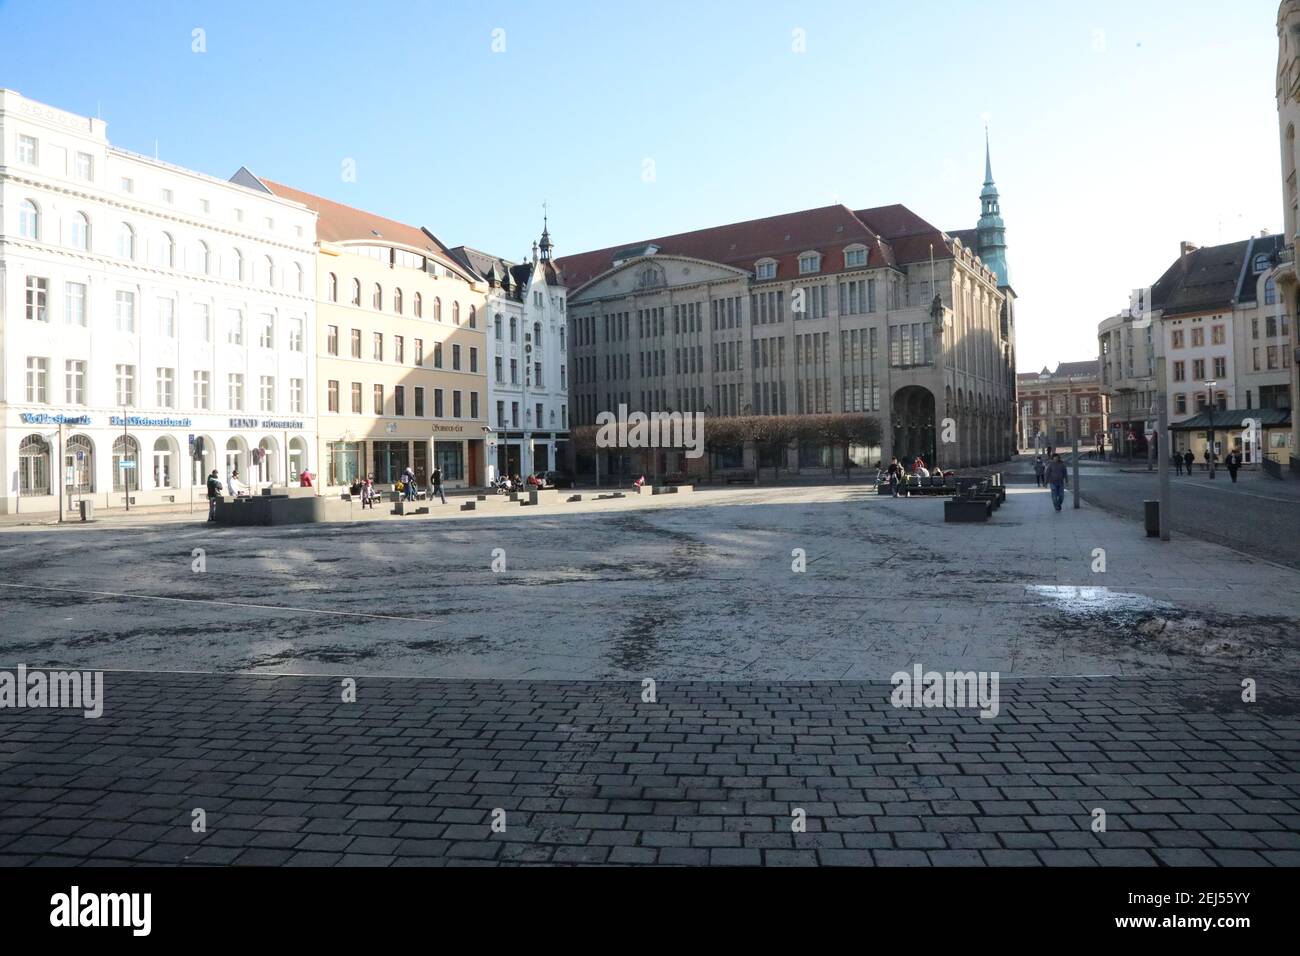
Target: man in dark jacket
(1233, 461)
(436, 481)
(1056, 475)
(1188, 460)
(214, 494)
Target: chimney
(1185, 248)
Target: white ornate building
(527, 347)
(155, 323)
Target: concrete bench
(966, 510)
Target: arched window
(166, 251)
(205, 258)
(34, 466)
(298, 276)
(497, 322)
(473, 318)
(79, 465)
(164, 463)
(455, 313)
(126, 449)
(126, 241)
(79, 231)
(237, 272)
(29, 220)
(377, 298)
(419, 305)
(356, 292)
(397, 301)
(270, 272)
(1270, 292)
(437, 309)
(334, 287)
(1262, 262)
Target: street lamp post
(1209, 428)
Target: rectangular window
(235, 392)
(85, 166)
(1176, 338)
(1180, 371)
(27, 149)
(473, 404)
(74, 382)
(266, 393)
(455, 358)
(1217, 335)
(399, 399)
(234, 327)
(1198, 338)
(331, 340)
(378, 350)
(356, 343)
(295, 335)
(266, 331)
(332, 396)
(437, 355)
(356, 398)
(38, 380)
(124, 379)
(296, 392)
(166, 388)
(74, 303)
(419, 351)
(419, 401)
(437, 403)
(379, 399)
(399, 349)
(455, 404)
(167, 318)
(1220, 367)
(1198, 369)
(202, 391)
(37, 295)
(473, 359)
(203, 323)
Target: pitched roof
(1269, 246)
(892, 234)
(1233, 417)
(1203, 280)
(1075, 369)
(336, 222)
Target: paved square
(521, 690)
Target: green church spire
(991, 229)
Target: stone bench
(966, 511)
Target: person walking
(894, 476)
(1233, 461)
(1178, 463)
(1039, 470)
(214, 494)
(368, 492)
(408, 484)
(1188, 460)
(436, 481)
(1056, 475)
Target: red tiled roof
(892, 234)
(336, 222)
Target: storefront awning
(1232, 418)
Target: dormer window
(810, 262)
(855, 256)
(1262, 262)
(765, 269)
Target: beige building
(1127, 348)
(401, 361)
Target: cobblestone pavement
(711, 773)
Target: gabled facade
(527, 348)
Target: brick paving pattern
(586, 773)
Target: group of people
(237, 488)
(1186, 460)
(896, 474)
(406, 485)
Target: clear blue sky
(1119, 128)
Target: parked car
(557, 479)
